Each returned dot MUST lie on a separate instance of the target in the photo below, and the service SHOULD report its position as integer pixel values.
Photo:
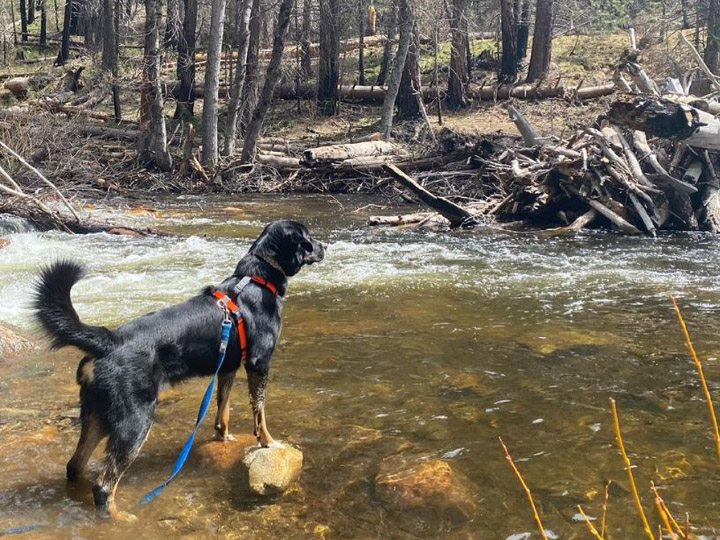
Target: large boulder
(270, 471)
(426, 485)
(12, 341)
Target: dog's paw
(120, 515)
(224, 437)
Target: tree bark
(361, 39)
(154, 151)
(407, 100)
(23, 21)
(306, 58)
(172, 25)
(212, 84)
(328, 69)
(249, 91)
(243, 39)
(31, 11)
(186, 62)
(542, 40)
(109, 53)
(406, 18)
(523, 32)
(43, 23)
(712, 45)
(64, 52)
(457, 75)
(271, 79)
(508, 60)
(391, 30)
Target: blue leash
(204, 404)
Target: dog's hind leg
(222, 420)
(257, 383)
(122, 449)
(90, 436)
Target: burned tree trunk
(43, 23)
(361, 43)
(31, 11)
(391, 29)
(212, 84)
(109, 53)
(328, 68)
(154, 151)
(23, 21)
(407, 20)
(457, 75)
(523, 31)
(271, 79)
(542, 41)
(508, 60)
(64, 52)
(243, 32)
(186, 62)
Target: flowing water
(424, 344)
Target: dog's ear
(302, 241)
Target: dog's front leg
(257, 383)
(222, 420)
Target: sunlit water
(403, 341)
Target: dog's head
(289, 244)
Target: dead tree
(391, 29)
(457, 75)
(329, 61)
(407, 20)
(64, 52)
(274, 71)
(508, 59)
(212, 85)
(23, 21)
(186, 62)
(154, 153)
(243, 39)
(306, 55)
(109, 53)
(542, 40)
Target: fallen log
(456, 215)
(400, 220)
(325, 155)
(667, 119)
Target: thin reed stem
(527, 490)
(660, 505)
(604, 508)
(701, 374)
(628, 468)
(589, 524)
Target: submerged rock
(224, 456)
(430, 485)
(270, 471)
(12, 341)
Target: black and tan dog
(124, 369)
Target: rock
(429, 485)
(19, 86)
(12, 341)
(270, 471)
(224, 456)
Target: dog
(124, 369)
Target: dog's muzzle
(317, 254)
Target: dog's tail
(57, 316)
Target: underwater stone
(270, 471)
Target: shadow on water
(404, 346)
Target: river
(413, 342)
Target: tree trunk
(712, 45)
(115, 89)
(508, 60)
(306, 60)
(361, 43)
(243, 38)
(186, 62)
(389, 41)
(31, 11)
(109, 53)
(43, 23)
(457, 74)
(23, 21)
(64, 52)
(542, 40)
(406, 18)
(154, 151)
(172, 25)
(523, 32)
(407, 100)
(328, 68)
(212, 84)
(252, 80)
(272, 77)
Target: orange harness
(228, 304)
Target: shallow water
(403, 341)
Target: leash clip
(222, 304)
